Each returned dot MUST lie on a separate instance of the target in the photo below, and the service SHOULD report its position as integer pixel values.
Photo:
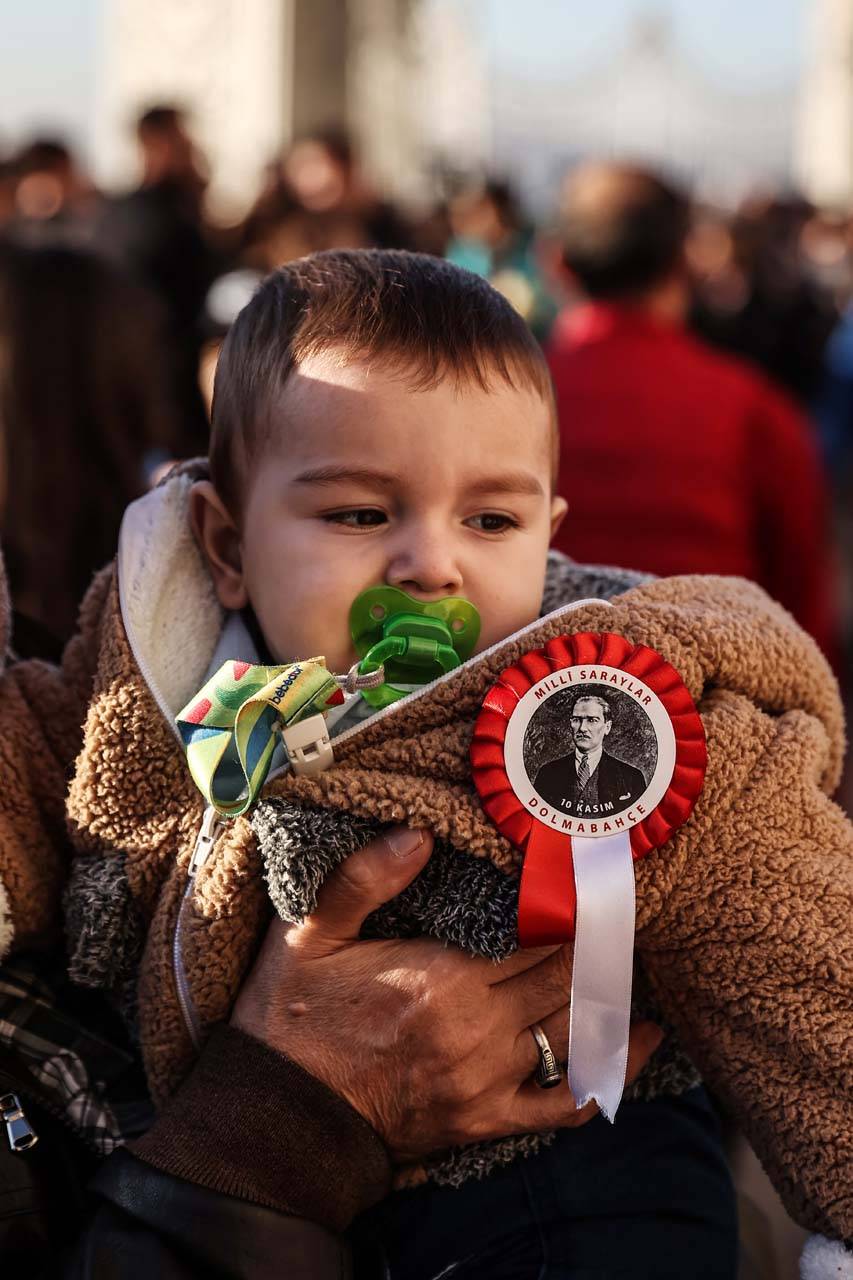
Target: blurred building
(824, 135)
(252, 74)
(647, 101)
(453, 86)
(222, 60)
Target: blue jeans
(648, 1198)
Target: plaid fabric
(94, 1082)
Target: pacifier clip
(230, 728)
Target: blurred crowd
(703, 358)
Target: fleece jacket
(743, 918)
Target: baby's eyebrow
(334, 474)
(513, 482)
(517, 482)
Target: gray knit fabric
(566, 581)
(104, 930)
(461, 900)
(482, 1158)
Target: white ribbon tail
(603, 970)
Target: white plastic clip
(308, 747)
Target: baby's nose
(427, 580)
(426, 569)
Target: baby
(386, 420)
(373, 457)
(400, 432)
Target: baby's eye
(493, 522)
(357, 517)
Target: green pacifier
(415, 641)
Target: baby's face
(442, 492)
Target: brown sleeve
(251, 1124)
(751, 952)
(42, 709)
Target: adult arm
(42, 708)
(251, 1170)
(343, 1055)
(751, 953)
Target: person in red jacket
(674, 457)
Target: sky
(47, 67)
(745, 43)
(48, 48)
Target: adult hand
(430, 1045)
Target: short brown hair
(410, 310)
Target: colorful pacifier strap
(229, 729)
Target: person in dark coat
(158, 234)
(86, 407)
(590, 781)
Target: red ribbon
(546, 896)
(547, 900)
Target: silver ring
(548, 1073)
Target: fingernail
(403, 841)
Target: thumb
(377, 873)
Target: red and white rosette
(622, 707)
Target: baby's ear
(219, 540)
(559, 507)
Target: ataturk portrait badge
(587, 754)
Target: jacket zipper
(12, 1110)
(20, 1134)
(211, 824)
